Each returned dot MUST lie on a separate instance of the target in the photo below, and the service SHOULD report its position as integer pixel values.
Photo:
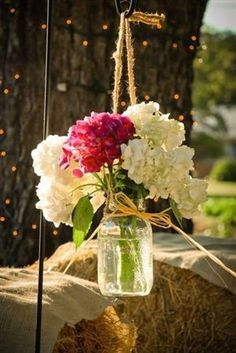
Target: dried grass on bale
(106, 334)
(83, 266)
(183, 314)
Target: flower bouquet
(118, 161)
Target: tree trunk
(82, 75)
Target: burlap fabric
(66, 299)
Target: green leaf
(176, 212)
(82, 219)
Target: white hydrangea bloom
(139, 113)
(46, 159)
(181, 162)
(154, 126)
(58, 190)
(174, 134)
(190, 196)
(134, 157)
(165, 174)
(57, 200)
(147, 165)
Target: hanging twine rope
(117, 56)
(125, 40)
(130, 63)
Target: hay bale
(106, 334)
(183, 313)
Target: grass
(219, 211)
(221, 188)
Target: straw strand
(151, 19)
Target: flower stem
(130, 262)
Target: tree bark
(81, 82)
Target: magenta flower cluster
(95, 141)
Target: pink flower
(96, 141)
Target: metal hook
(129, 11)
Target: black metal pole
(42, 226)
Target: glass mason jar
(125, 257)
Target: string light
(13, 168)
(105, 27)
(12, 10)
(200, 60)
(146, 98)
(2, 219)
(123, 103)
(34, 226)
(17, 76)
(204, 47)
(55, 232)
(176, 96)
(2, 132)
(3, 153)
(7, 201)
(195, 123)
(145, 43)
(181, 117)
(194, 38)
(6, 91)
(15, 233)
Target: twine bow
(124, 206)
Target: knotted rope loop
(130, 9)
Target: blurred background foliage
(215, 70)
(214, 133)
